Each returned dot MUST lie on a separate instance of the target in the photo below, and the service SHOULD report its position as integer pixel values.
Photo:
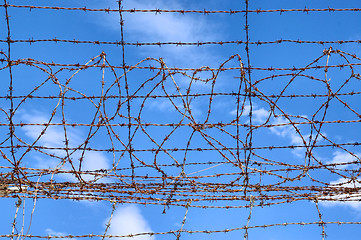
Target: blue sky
(68, 217)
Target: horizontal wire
(38, 147)
(180, 43)
(181, 11)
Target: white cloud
(285, 130)
(353, 199)
(51, 232)
(164, 27)
(245, 112)
(54, 137)
(94, 161)
(259, 115)
(169, 27)
(197, 107)
(348, 199)
(163, 105)
(289, 132)
(129, 220)
(343, 157)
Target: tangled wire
(265, 151)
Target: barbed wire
(186, 231)
(224, 159)
(77, 66)
(181, 11)
(180, 43)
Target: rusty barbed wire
(238, 153)
(187, 231)
(204, 11)
(180, 43)
(76, 66)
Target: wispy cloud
(284, 130)
(51, 232)
(129, 220)
(259, 115)
(164, 27)
(163, 105)
(54, 137)
(343, 158)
